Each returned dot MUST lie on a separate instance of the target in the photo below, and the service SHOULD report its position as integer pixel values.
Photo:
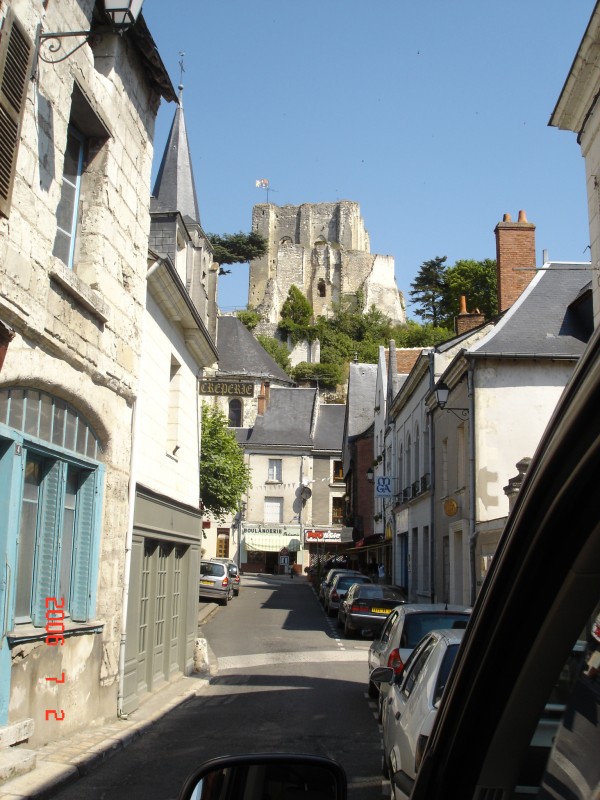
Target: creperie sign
(322, 536)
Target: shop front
(262, 546)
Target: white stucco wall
(512, 407)
(158, 469)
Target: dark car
(366, 607)
(215, 582)
(340, 585)
(540, 597)
(327, 582)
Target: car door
(403, 702)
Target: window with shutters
(60, 503)
(16, 56)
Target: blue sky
(431, 114)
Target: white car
(411, 703)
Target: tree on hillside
(277, 350)
(428, 291)
(224, 477)
(476, 280)
(237, 248)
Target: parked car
(411, 704)
(403, 630)
(326, 583)
(215, 581)
(366, 606)
(340, 585)
(234, 573)
(540, 596)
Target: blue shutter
(86, 525)
(46, 560)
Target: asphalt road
(286, 682)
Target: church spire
(174, 187)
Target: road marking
(306, 657)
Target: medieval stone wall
(324, 250)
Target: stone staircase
(15, 760)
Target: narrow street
(286, 682)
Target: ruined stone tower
(324, 250)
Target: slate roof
(552, 317)
(175, 188)
(329, 433)
(362, 382)
(241, 354)
(287, 419)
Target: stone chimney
(515, 258)
(466, 321)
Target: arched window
(285, 240)
(408, 462)
(60, 498)
(235, 413)
(322, 288)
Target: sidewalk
(68, 759)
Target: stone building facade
(324, 250)
(74, 222)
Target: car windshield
(417, 625)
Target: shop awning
(271, 543)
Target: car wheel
(372, 690)
(339, 620)
(331, 612)
(348, 631)
(225, 600)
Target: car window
(418, 625)
(212, 569)
(387, 626)
(418, 663)
(442, 678)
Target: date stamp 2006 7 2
(55, 635)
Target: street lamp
(441, 394)
(370, 475)
(121, 15)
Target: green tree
(328, 375)
(477, 280)
(224, 477)
(249, 317)
(237, 248)
(277, 350)
(296, 314)
(428, 291)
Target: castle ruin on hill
(324, 250)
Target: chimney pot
(463, 305)
(507, 218)
(522, 216)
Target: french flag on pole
(263, 183)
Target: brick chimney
(466, 321)
(264, 397)
(515, 258)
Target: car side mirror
(382, 675)
(255, 777)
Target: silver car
(403, 630)
(215, 581)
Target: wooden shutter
(16, 56)
(86, 536)
(45, 580)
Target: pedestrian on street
(291, 571)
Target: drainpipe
(431, 484)
(472, 504)
(127, 566)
